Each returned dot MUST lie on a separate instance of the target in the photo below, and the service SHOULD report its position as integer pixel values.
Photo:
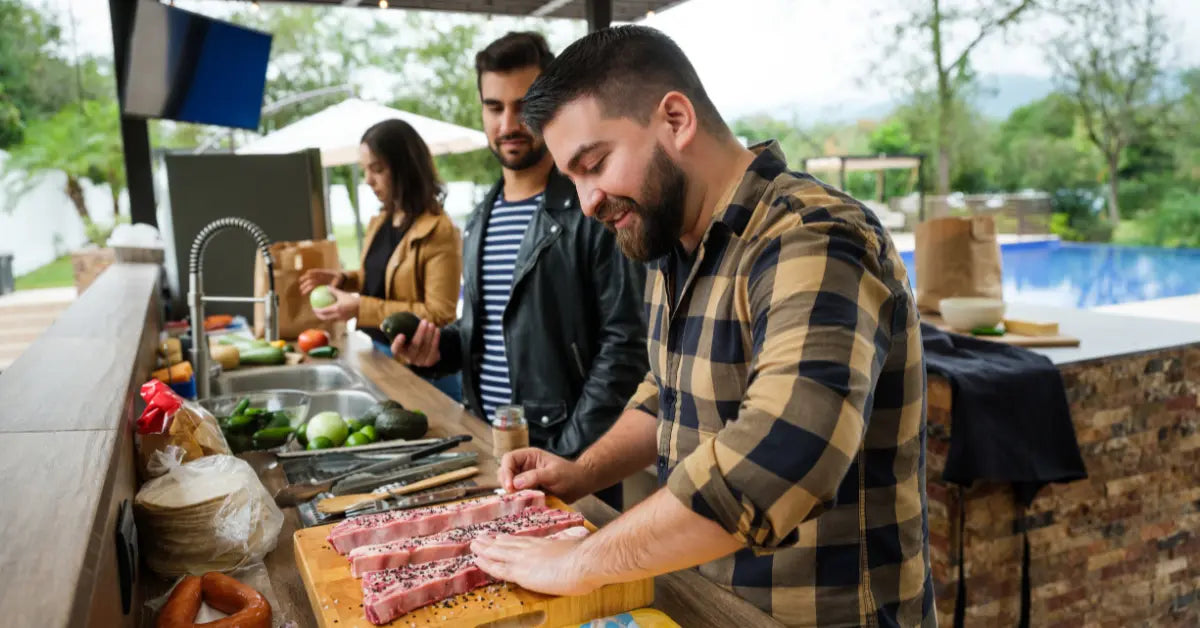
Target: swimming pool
(1069, 274)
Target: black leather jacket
(574, 328)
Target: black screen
(188, 67)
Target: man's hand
(423, 349)
(537, 468)
(551, 566)
(314, 277)
(344, 308)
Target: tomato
(311, 339)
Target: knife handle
(445, 478)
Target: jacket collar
(422, 226)
(559, 193)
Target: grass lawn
(59, 274)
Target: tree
(1043, 146)
(1111, 61)
(83, 142)
(932, 22)
(35, 80)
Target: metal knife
(424, 499)
(293, 494)
(364, 482)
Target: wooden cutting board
(1057, 340)
(336, 596)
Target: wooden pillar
(135, 136)
(599, 14)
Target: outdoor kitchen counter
(1104, 335)
(686, 597)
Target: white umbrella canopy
(336, 131)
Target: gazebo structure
(879, 164)
(134, 132)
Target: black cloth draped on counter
(1010, 422)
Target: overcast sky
(768, 54)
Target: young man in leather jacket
(553, 313)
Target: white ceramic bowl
(967, 313)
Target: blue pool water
(1068, 274)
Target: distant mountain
(999, 95)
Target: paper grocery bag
(291, 260)
(956, 257)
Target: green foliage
(82, 141)
(1088, 229)
(36, 80)
(1043, 146)
(98, 234)
(1175, 223)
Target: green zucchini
(323, 352)
(262, 355)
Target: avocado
(397, 423)
(400, 323)
(368, 418)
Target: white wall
(43, 224)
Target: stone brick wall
(1121, 548)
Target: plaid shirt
(789, 392)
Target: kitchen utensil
(307, 470)
(365, 482)
(310, 516)
(342, 503)
(386, 445)
(424, 499)
(293, 494)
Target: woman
(412, 255)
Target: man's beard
(532, 157)
(660, 220)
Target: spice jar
(510, 431)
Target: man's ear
(680, 116)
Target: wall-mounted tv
(188, 67)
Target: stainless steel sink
(349, 403)
(311, 378)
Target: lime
(354, 424)
(320, 442)
(369, 432)
(356, 439)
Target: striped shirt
(501, 242)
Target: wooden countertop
(66, 453)
(686, 596)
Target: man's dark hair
(513, 51)
(628, 69)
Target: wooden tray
(1019, 340)
(336, 596)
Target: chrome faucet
(197, 299)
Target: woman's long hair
(416, 186)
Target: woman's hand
(344, 308)
(314, 277)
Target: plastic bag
(640, 618)
(254, 576)
(210, 514)
(175, 427)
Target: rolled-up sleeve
(815, 302)
(645, 398)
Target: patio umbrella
(336, 131)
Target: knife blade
(424, 499)
(293, 494)
(358, 483)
